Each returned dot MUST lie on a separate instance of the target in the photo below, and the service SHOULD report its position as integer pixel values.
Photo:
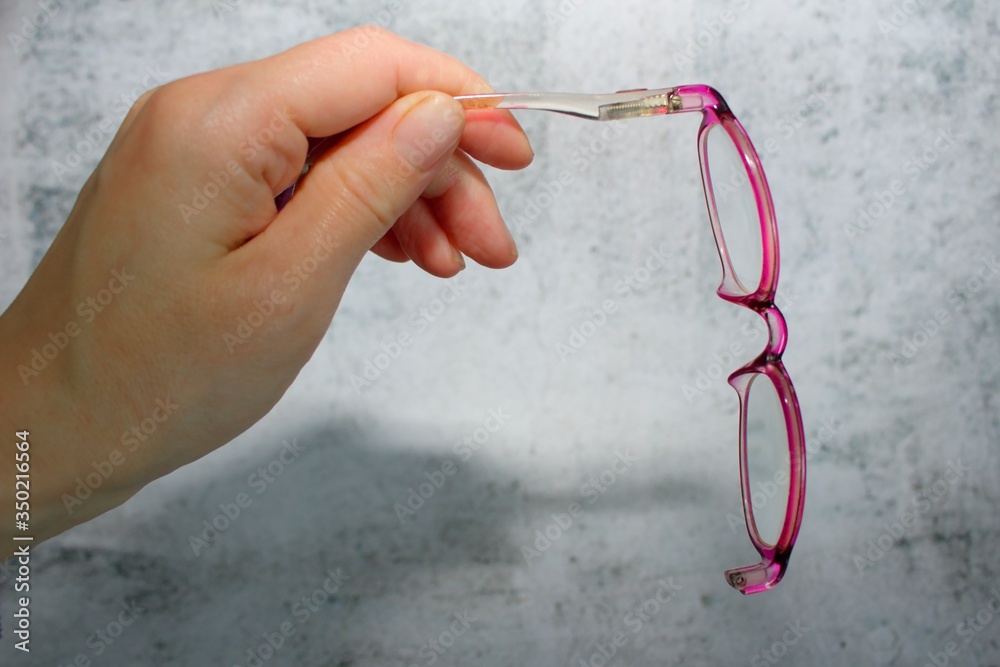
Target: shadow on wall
(328, 527)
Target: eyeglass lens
(767, 457)
(736, 207)
(768, 462)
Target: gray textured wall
(850, 100)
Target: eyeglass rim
(775, 557)
(705, 99)
(628, 104)
(768, 573)
(720, 118)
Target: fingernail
(457, 256)
(429, 131)
(513, 243)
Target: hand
(177, 305)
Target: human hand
(180, 304)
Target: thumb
(354, 194)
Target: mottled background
(850, 101)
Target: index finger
(334, 83)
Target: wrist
(60, 471)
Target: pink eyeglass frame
(642, 102)
(637, 103)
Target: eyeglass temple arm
(614, 106)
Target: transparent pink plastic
(767, 366)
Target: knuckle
(202, 110)
(357, 37)
(451, 174)
(139, 105)
(165, 103)
(369, 30)
(166, 115)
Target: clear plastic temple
(613, 106)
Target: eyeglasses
(771, 438)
